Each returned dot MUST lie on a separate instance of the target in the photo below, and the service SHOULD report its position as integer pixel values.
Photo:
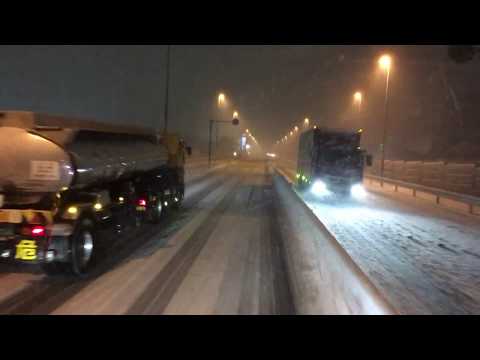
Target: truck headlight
(358, 191)
(319, 188)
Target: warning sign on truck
(44, 170)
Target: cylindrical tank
(104, 157)
(32, 164)
(34, 161)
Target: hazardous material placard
(44, 170)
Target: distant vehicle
(331, 162)
(65, 182)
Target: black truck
(331, 162)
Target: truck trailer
(64, 182)
(331, 162)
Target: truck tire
(83, 247)
(179, 195)
(157, 210)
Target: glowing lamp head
(357, 96)
(221, 99)
(385, 62)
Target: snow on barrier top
(323, 277)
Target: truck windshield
(335, 156)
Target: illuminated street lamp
(296, 128)
(235, 115)
(358, 98)
(306, 122)
(385, 63)
(221, 99)
(291, 133)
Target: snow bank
(323, 277)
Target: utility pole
(210, 142)
(385, 125)
(234, 122)
(167, 86)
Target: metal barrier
(452, 176)
(472, 202)
(431, 174)
(323, 277)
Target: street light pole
(385, 124)
(222, 99)
(167, 86)
(234, 122)
(210, 143)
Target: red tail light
(142, 202)
(38, 231)
(34, 231)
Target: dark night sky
(271, 86)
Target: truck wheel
(157, 210)
(83, 247)
(178, 198)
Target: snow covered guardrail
(460, 202)
(323, 277)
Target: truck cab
(331, 162)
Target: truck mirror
(369, 160)
(189, 150)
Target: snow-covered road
(219, 253)
(424, 259)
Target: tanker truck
(65, 182)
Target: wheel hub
(86, 247)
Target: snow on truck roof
(334, 131)
(39, 121)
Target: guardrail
(456, 177)
(471, 204)
(323, 277)
(465, 203)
